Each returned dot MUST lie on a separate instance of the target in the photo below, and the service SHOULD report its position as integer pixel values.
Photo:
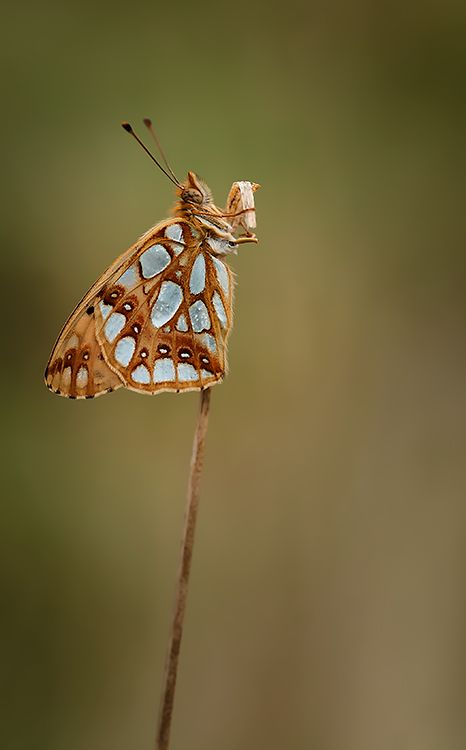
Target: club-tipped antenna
(148, 123)
(126, 126)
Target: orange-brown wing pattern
(163, 324)
(157, 320)
(77, 367)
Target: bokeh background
(328, 599)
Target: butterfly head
(194, 191)
(196, 202)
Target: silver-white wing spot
(154, 260)
(222, 275)
(113, 326)
(169, 299)
(66, 376)
(219, 309)
(186, 372)
(197, 278)
(105, 310)
(209, 342)
(199, 315)
(174, 232)
(164, 370)
(141, 374)
(181, 324)
(82, 377)
(124, 350)
(129, 278)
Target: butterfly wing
(163, 324)
(77, 366)
(158, 319)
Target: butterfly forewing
(77, 367)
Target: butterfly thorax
(196, 206)
(204, 217)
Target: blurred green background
(328, 599)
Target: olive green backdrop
(328, 600)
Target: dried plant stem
(176, 632)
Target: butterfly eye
(232, 244)
(190, 195)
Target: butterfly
(159, 317)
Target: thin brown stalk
(176, 631)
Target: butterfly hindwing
(158, 319)
(163, 324)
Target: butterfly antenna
(150, 128)
(126, 126)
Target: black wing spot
(90, 310)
